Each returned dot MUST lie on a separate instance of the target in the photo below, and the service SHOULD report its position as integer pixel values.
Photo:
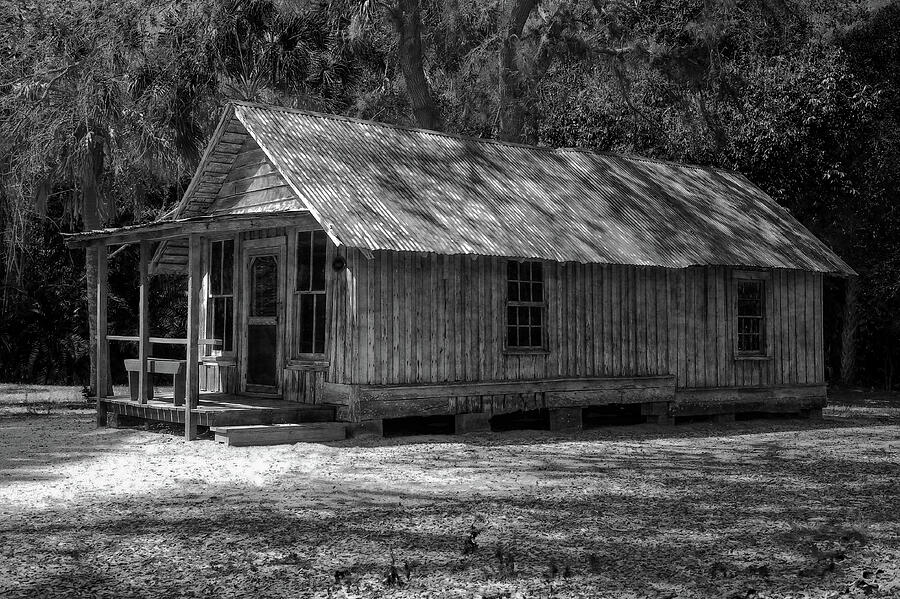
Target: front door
(263, 274)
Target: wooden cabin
(382, 272)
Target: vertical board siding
(433, 319)
(793, 330)
(303, 385)
(218, 378)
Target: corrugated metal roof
(382, 187)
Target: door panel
(263, 266)
(261, 354)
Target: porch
(214, 410)
(207, 409)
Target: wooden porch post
(193, 338)
(102, 353)
(145, 386)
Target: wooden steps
(279, 434)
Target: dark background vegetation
(106, 105)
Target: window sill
(752, 357)
(220, 360)
(526, 352)
(307, 364)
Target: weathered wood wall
(406, 319)
(440, 319)
(299, 382)
(253, 185)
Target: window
(221, 291)
(750, 316)
(525, 306)
(311, 291)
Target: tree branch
(624, 85)
(61, 70)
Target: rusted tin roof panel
(382, 187)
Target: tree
(104, 100)
(406, 19)
(75, 111)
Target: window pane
(320, 324)
(264, 286)
(537, 271)
(512, 270)
(512, 316)
(215, 268)
(749, 307)
(536, 337)
(304, 251)
(537, 292)
(227, 266)
(228, 334)
(750, 289)
(536, 316)
(523, 315)
(318, 260)
(218, 317)
(307, 320)
(525, 292)
(513, 291)
(749, 342)
(512, 339)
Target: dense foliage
(105, 105)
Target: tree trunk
(512, 79)
(848, 332)
(91, 217)
(408, 23)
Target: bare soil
(765, 508)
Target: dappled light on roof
(382, 187)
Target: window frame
(764, 278)
(219, 351)
(318, 294)
(541, 305)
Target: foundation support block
(366, 428)
(474, 422)
(660, 419)
(114, 420)
(812, 413)
(565, 419)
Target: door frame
(250, 248)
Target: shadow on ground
(752, 509)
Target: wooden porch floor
(221, 409)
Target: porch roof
(183, 227)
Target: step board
(279, 434)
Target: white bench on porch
(177, 368)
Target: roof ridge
(487, 140)
(350, 119)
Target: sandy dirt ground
(767, 508)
